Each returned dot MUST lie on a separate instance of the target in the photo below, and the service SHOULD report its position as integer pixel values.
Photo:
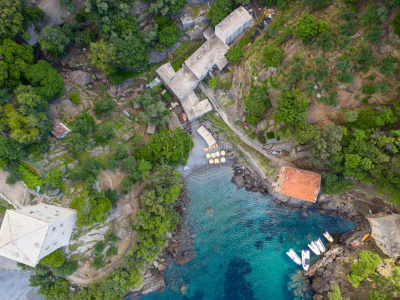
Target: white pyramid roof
(23, 233)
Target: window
(54, 228)
(62, 225)
(47, 248)
(55, 244)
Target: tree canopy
(292, 107)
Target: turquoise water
(241, 248)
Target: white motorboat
(328, 236)
(305, 259)
(294, 256)
(314, 248)
(320, 245)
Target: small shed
(206, 135)
(60, 130)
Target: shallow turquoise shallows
(241, 243)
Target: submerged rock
(259, 245)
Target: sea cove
(240, 240)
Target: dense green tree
(374, 34)
(167, 146)
(28, 100)
(77, 142)
(121, 152)
(155, 112)
(387, 65)
(15, 61)
(308, 27)
(55, 259)
(366, 59)
(292, 107)
(366, 265)
(328, 143)
(169, 35)
(54, 178)
(325, 41)
(166, 7)
(131, 53)
(90, 209)
(5, 97)
(66, 269)
(129, 163)
(11, 18)
(336, 294)
(343, 65)
(9, 148)
(345, 77)
(234, 55)
(219, 10)
(25, 128)
(107, 133)
(144, 168)
(334, 184)
(53, 40)
(46, 81)
(106, 105)
(304, 132)
(256, 104)
(103, 55)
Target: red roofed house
(299, 184)
(60, 130)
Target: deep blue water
(241, 248)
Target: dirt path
(243, 137)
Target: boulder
(184, 288)
(155, 283)
(239, 181)
(81, 77)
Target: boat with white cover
(320, 245)
(305, 259)
(294, 256)
(314, 248)
(328, 236)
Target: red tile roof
(60, 130)
(300, 184)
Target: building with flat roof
(299, 184)
(31, 233)
(385, 229)
(210, 54)
(233, 25)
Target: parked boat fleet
(316, 246)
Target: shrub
(365, 59)
(364, 101)
(30, 178)
(304, 132)
(234, 55)
(126, 185)
(106, 105)
(107, 133)
(121, 152)
(375, 34)
(343, 65)
(261, 137)
(333, 184)
(74, 98)
(365, 266)
(347, 28)
(272, 56)
(53, 40)
(256, 104)
(343, 41)
(325, 41)
(167, 96)
(169, 35)
(387, 66)
(308, 27)
(55, 259)
(316, 4)
(270, 135)
(98, 249)
(369, 89)
(292, 107)
(348, 14)
(113, 251)
(113, 164)
(396, 24)
(54, 178)
(345, 77)
(98, 263)
(213, 82)
(351, 116)
(225, 84)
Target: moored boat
(365, 237)
(320, 245)
(328, 236)
(305, 259)
(293, 255)
(314, 248)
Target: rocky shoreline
(179, 250)
(331, 269)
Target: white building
(233, 25)
(29, 234)
(209, 55)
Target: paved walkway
(210, 93)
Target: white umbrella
(211, 161)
